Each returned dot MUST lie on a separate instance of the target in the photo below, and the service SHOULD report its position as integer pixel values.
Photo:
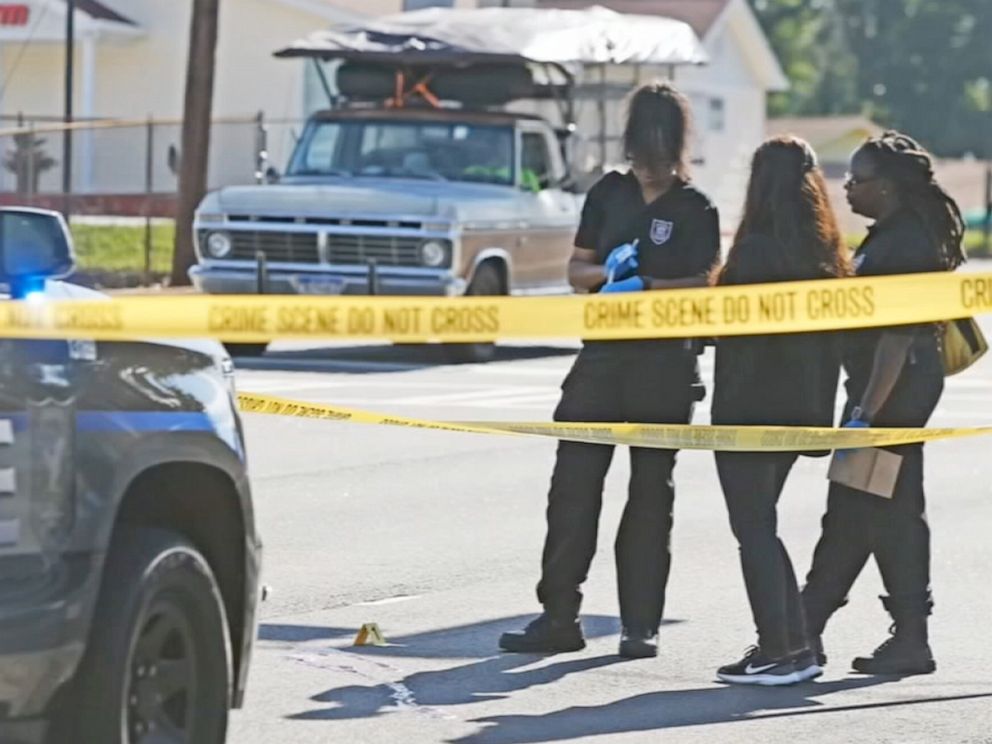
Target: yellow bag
(963, 345)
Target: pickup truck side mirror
(272, 175)
(35, 244)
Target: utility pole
(70, 55)
(195, 148)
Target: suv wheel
(485, 283)
(157, 668)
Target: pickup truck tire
(157, 667)
(246, 350)
(486, 283)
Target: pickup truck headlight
(434, 253)
(218, 244)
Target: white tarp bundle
(565, 37)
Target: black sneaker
(816, 646)
(638, 644)
(807, 664)
(545, 635)
(900, 655)
(758, 669)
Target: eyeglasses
(852, 180)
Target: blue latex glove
(852, 424)
(622, 262)
(633, 284)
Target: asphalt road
(436, 537)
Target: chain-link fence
(124, 179)
(129, 168)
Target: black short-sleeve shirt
(787, 379)
(899, 244)
(678, 233)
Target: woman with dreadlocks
(895, 379)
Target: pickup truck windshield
(438, 151)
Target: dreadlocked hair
(904, 162)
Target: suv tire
(157, 667)
(487, 282)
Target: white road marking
(388, 600)
(374, 671)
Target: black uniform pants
(633, 385)
(858, 524)
(752, 483)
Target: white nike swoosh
(757, 670)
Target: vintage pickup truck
(431, 201)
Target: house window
(717, 115)
(421, 4)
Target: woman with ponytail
(895, 379)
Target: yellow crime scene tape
(787, 307)
(658, 436)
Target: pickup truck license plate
(319, 285)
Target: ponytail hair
(658, 124)
(909, 167)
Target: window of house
(717, 115)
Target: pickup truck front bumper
(346, 280)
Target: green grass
(122, 247)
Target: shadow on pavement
(300, 633)
(490, 676)
(383, 358)
(657, 711)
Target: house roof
(329, 10)
(700, 14)
(100, 12)
(823, 130)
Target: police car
(129, 559)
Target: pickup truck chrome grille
(292, 247)
(385, 249)
(304, 247)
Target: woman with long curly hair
(788, 233)
(895, 379)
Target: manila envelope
(867, 469)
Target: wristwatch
(858, 414)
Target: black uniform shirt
(787, 379)
(899, 244)
(678, 233)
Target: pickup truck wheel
(157, 668)
(486, 283)
(246, 350)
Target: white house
(131, 64)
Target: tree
(196, 132)
(922, 66)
